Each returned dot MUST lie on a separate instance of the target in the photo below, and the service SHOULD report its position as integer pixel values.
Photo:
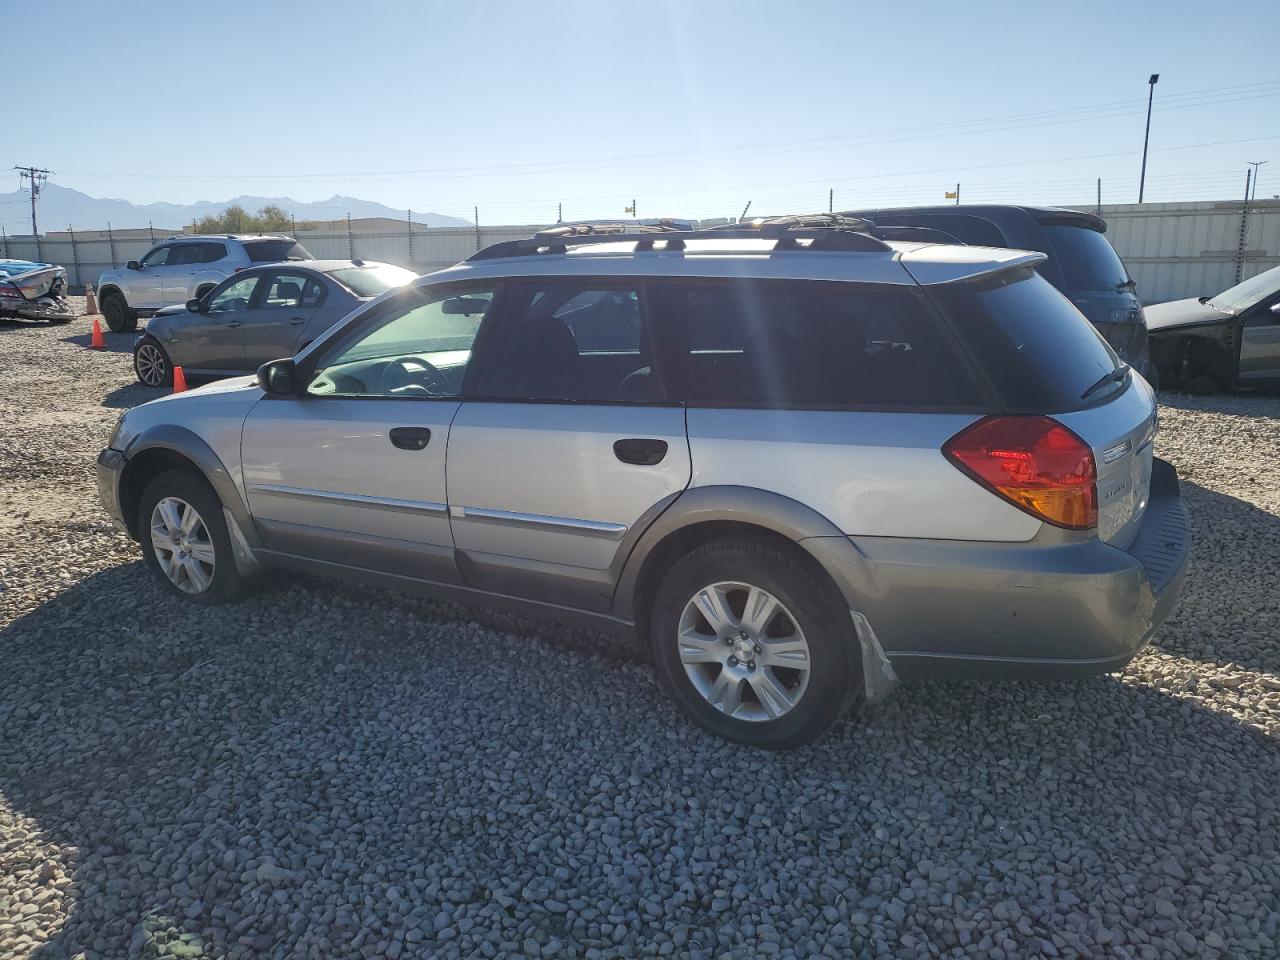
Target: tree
(235, 219)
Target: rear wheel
(753, 645)
(151, 363)
(120, 319)
(185, 540)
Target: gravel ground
(325, 772)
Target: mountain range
(60, 206)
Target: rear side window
(821, 344)
(1086, 258)
(1037, 348)
(212, 252)
(273, 251)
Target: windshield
(371, 281)
(1244, 295)
(1087, 260)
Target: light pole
(1151, 92)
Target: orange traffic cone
(97, 341)
(179, 380)
(90, 301)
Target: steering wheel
(414, 375)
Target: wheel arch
(709, 513)
(167, 447)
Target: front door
(213, 340)
(1260, 341)
(146, 284)
(285, 303)
(352, 472)
(565, 448)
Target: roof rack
(822, 231)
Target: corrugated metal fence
(423, 250)
(1173, 250)
(1177, 250)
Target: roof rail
(823, 231)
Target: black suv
(1082, 263)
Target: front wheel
(753, 645)
(185, 541)
(151, 363)
(120, 319)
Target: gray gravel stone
(328, 772)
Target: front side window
(234, 297)
(419, 346)
(157, 257)
(574, 341)
(820, 344)
(185, 253)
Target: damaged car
(34, 291)
(1220, 342)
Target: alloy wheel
(743, 651)
(182, 545)
(151, 364)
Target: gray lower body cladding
(952, 608)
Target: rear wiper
(1114, 376)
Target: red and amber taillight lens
(1035, 463)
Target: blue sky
(691, 107)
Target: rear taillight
(1035, 463)
(10, 290)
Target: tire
(195, 578)
(151, 363)
(798, 707)
(120, 319)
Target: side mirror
(278, 378)
(133, 265)
(196, 305)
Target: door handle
(640, 451)
(233, 323)
(297, 321)
(410, 438)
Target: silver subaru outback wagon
(786, 456)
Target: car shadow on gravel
(329, 770)
(1229, 609)
(116, 342)
(132, 394)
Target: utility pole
(957, 194)
(744, 211)
(1151, 92)
(35, 177)
(1244, 227)
(560, 212)
(1099, 196)
(1255, 164)
(477, 213)
(831, 200)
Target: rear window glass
(1085, 257)
(816, 344)
(273, 251)
(1041, 353)
(371, 281)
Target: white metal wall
(1177, 250)
(1172, 250)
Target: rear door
(566, 446)
(284, 305)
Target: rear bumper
(948, 608)
(44, 308)
(110, 468)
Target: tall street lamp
(1151, 92)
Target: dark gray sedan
(257, 315)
